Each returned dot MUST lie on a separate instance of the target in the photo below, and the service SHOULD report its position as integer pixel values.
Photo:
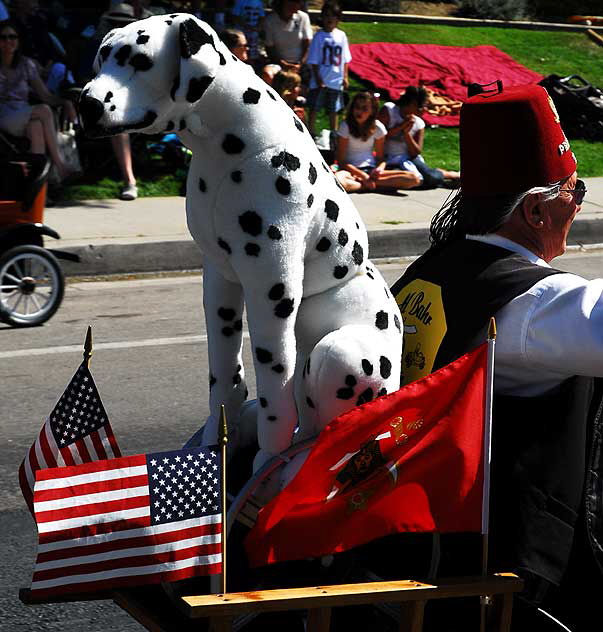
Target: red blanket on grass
(446, 70)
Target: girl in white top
(360, 147)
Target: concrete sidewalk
(150, 234)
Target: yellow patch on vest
(422, 311)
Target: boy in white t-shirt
(329, 57)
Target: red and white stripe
(95, 531)
(46, 453)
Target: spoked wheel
(31, 286)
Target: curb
(177, 256)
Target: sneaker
(129, 192)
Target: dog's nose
(91, 110)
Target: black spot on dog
(212, 380)
(175, 86)
(251, 223)
(142, 39)
(350, 380)
(123, 54)
(238, 325)
(253, 250)
(290, 161)
(263, 355)
(310, 402)
(326, 167)
(357, 226)
(272, 418)
(270, 95)
(168, 22)
(385, 367)
(312, 175)
(357, 253)
(298, 124)
(141, 62)
(381, 320)
(274, 233)
(284, 308)
(226, 313)
(369, 273)
(263, 402)
(342, 238)
(174, 16)
(278, 368)
(283, 186)
(345, 393)
(234, 58)
(382, 391)
(104, 52)
(366, 396)
(323, 245)
(397, 322)
(340, 271)
(227, 331)
(367, 367)
(192, 37)
(251, 96)
(277, 291)
(197, 88)
(232, 144)
(108, 96)
(236, 176)
(224, 245)
(170, 126)
(112, 108)
(332, 210)
(202, 185)
(310, 200)
(236, 379)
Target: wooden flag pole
(223, 440)
(88, 347)
(486, 599)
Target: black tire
(30, 277)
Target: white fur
(319, 315)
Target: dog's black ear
(201, 55)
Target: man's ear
(533, 211)
(200, 58)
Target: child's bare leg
(398, 179)
(348, 181)
(333, 120)
(35, 132)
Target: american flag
(77, 431)
(129, 521)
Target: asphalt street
(150, 366)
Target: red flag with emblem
(407, 461)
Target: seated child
(360, 148)
(288, 85)
(405, 136)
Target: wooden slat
(319, 620)
(344, 595)
(411, 616)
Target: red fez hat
(511, 141)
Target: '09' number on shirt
(331, 55)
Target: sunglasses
(579, 192)
(10, 36)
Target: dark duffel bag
(579, 104)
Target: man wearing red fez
(491, 246)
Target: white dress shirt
(549, 333)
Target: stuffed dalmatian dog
(278, 234)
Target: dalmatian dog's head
(150, 75)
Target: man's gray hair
(480, 215)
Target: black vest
(546, 451)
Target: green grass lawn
(546, 52)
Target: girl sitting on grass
(360, 147)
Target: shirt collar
(503, 242)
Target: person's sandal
(129, 192)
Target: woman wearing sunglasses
(18, 76)
(492, 245)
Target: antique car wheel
(31, 286)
